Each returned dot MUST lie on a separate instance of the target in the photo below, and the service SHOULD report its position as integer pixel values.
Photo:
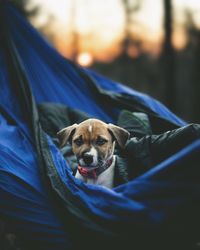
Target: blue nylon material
(23, 197)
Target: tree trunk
(74, 33)
(169, 57)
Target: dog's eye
(78, 142)
(100, 141)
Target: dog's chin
(88, 166)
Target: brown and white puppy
(93, 143)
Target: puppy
(93, 143)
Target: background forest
(151, 46)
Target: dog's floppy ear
(121, 135)
(66, 134)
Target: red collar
(94, 173)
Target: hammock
(40, 199)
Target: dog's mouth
(94, 171)
(93, 165)
(87, 166)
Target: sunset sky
(99, 24)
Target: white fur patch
(94, 153)
(90, 128)
(113, 148)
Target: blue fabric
(23, 197)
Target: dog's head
(93, 141)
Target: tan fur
(99, 128)
(89, 132)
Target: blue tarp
(147, 203)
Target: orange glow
(98, 28)
(179, 39)
(133, 51)
(85, 59)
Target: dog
(93, 143)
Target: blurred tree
(125, 63)
(74, 34)
(133, 67)
(193, 47)
(168, 57)
(23, 7)
(130, 7)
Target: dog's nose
(88, 159)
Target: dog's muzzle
(94, 172)
(89, 158)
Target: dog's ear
(66, 134)
(120, 134)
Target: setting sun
(85, 59)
